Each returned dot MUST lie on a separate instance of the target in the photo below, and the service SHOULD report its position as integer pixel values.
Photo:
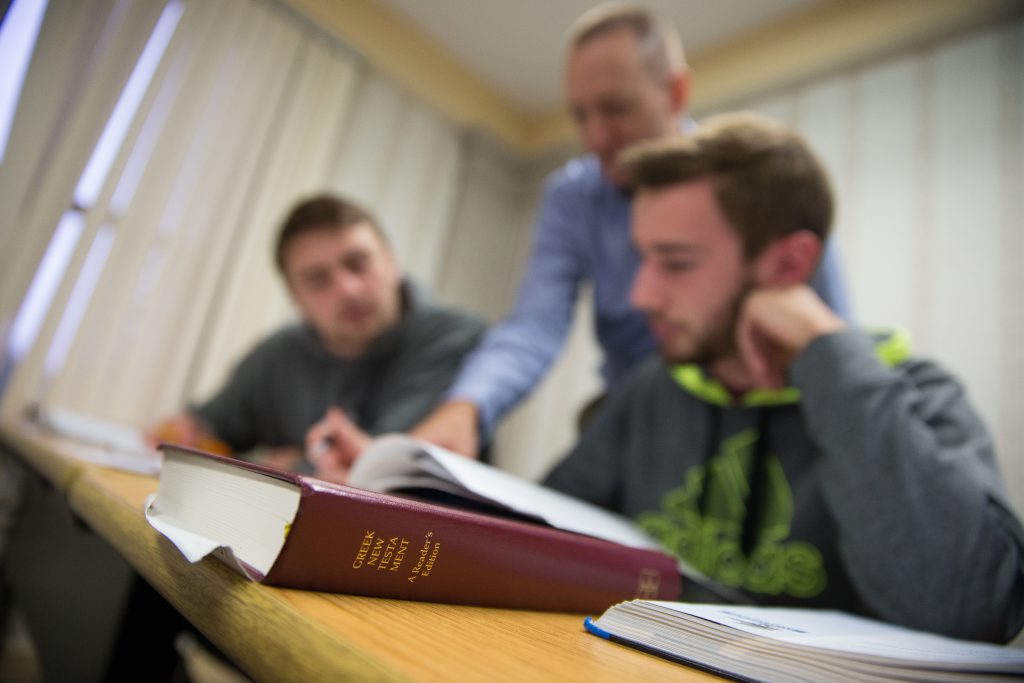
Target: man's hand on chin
(776, 324)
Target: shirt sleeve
(516, 353)
(925, 527)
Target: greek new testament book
(791, 644)
(296, 531)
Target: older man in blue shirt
(626, 80)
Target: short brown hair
(320, 212)
(768, 181)
(658, 38)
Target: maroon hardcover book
(346, 540)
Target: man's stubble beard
(719, 341)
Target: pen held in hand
(320, 448)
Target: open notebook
(104, 442)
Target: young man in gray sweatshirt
(772, 446)
(370, 355)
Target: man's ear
(679, 86)
(789, 260)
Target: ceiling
(516, 45)
(496, 65)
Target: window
(18, 35)
(62, 246)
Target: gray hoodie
(286, 383)
(869, 485)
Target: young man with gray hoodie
(772, 446)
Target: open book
(788, 644)
(397, 463)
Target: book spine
(346, 540)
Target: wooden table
(276, 634)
